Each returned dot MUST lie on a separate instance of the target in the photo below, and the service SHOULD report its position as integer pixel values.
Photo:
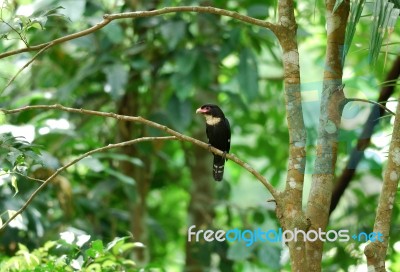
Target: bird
(218, 133)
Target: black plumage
(219, 135)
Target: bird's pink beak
(201, 111)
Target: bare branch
(107, 18)
(358, 151)
(59, 170)
(139, 119)
(371, 102)
(376, 251)
(27, 177)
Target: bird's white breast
(212, 120)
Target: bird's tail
(218, 168)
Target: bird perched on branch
(219, 135)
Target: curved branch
(107, 18)
(41, 181)
(371, 102)
(59, 170)
(139, 119)
(364, 140)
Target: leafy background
(137, 203)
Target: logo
(282, 236)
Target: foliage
(14, 26)
(16, 153)
(74, 253)
(384, 17)
(165, 67)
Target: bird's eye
(207, 107)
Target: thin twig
(26, 65)
(107, 18)
(167, 130)
(41, 181)
(345, 178)
(371, 102)
(23, 39)
(101, 149)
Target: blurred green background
(163, 68)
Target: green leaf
(14, 184)
(186, 61)
(356, 9)
(32, 155)
(73, 12)
(183, 84)
(22, 248)
(259, 11)
(117, 77)
(119, 157)
(248, 74)
(120, 176)
(97, 245)
(2, 117)
(116, 243)
(239, 252)
(95, 267)
(109, 264)
(179, 113)
(384, 17)
(129, 263)
(270, 256)
(173, 32)
(203, 73)
(127, 246)
(7, 11)
(14, 157)
(91, 252)
(138, 245)
(116, 250)
(114, 32)
(49, 245)
(92, 163)
(23, 19)
(38, 22)
(51, 12)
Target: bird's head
(212, 113)
(210, 109)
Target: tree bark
(376, 251)
(201, 206)
(332, 103)
(289, 204)
(129, 106)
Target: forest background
(131, 206)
